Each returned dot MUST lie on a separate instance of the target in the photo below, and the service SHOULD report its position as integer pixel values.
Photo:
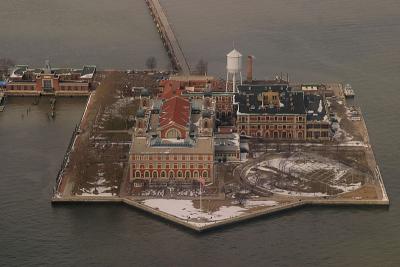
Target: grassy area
(99, 158)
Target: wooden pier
(168, 38)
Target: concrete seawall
(233, 220)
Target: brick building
(50, 81)
(318, 125)
(173, 141)
(271, 112)
(276, 111)
(200, 87)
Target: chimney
(249, 68)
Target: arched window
(137, 174)
(187, 174)
(196, 174)
(205, 174)
(276, 135)
(163, 174)
(180, 174)
(266, 134)
(155, 174)
(300, 134)
(172, 133)
(171, 174)
(147, 174)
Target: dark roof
(88, 70)
(315, 107)
(140, 113)
(144, 92)
(292, 102)
(206, 114)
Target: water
(353, 41)
(109, 34)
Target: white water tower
(233, 68)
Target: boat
(3, 98)
(348, 91)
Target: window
(172, 133)
(137, 174)
(180, 175)
(47, 84)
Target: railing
(65, 160)
(68, 151)
(378, 176)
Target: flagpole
(200, 197)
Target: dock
(167, 35)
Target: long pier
(168, 38)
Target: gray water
(354, 41)
(110, 34)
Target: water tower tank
(234, 61)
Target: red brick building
(50, 81)
(271, 112)
(172, 141)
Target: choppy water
(355, 41)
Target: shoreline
(60, 196)
(221, 223)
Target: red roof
(171, 88)
(175, 110)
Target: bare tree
(126, 114)
(202, 67)
(241, 198)
(81, 160)
(151, 63)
